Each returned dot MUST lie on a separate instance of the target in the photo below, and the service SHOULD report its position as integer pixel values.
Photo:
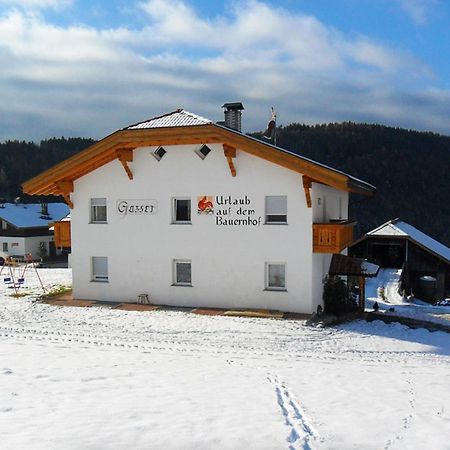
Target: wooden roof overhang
(58, 180)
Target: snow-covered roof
(398, 228)
(177, 118)
(30, 215)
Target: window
(4, 225)
(98, 210)
(159, 153)
(181, 210)
(99, 268)
(5, 246)
(203, 151)
(182, 272)
(276, 276)
(276, 209)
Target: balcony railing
(332, 237)
(62, 234)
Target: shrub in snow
(336, 297)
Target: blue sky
(86, 68)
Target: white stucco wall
(21, 246)
(228, 262)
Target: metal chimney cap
(237, 106)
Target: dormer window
(159, 153)
(203, 151)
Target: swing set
(16, 278)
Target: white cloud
(418, 10)
(84, 81)
(38, 4)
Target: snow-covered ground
(99, 378)
(416, 309)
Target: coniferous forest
(410, 169)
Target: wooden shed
(425, 262)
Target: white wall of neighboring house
(21, 246)
(228, 261)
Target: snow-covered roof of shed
(177, 118)
(30, 215)
(398, 228)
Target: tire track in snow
(301, 433)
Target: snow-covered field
(99, 378)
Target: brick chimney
(233, 115)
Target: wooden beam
(230, 153)
(125, 155)
(65, 188)
(362, 294)
(307, 185)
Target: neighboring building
(194, 213)
(425, 262)
(24, 228)
(61, 230)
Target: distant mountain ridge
(410, 169)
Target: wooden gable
(59, 179)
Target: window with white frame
(98, 210)
(181, 210)
(276, 276)
(4, 225)
(182, 272)
(276, 209)
(5, 246)
(99, 268)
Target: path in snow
(389, 279)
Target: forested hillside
(20, 161)
(411, 170)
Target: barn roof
(30, 215)
(176, 128)
(398, 228)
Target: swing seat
(7, 280)
(20, 281)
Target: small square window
(276, 209)
(276, 276)
(99, 268)
(181, 210)
(98, 210)
(159, 153)
(182, 272)
(203, 151)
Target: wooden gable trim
(125, 155)
(230, 153)
(111, 146)
(307, 185)
(65, 188)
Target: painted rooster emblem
(205, 205)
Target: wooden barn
(425, 262)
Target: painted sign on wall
(229, 210)
(136, 206)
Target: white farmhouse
(194, 213)
(24, 228)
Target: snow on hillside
(99, 378)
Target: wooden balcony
(62, 234)
(332, 237)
